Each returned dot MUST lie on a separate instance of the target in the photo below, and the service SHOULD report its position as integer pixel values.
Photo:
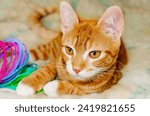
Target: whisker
(120, 63)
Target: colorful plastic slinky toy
(13, 58)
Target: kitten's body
(103, 73)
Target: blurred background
(135, 83)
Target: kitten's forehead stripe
(83, 35)
(74, 41)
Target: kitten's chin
(83, 77)
(77, 76)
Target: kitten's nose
(77, 70)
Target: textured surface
(136, 75)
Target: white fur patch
(50, 88)
(87, 74)
(24, 90)
(69, 69)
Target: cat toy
(26, 71)
(13, 62)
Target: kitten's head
(90, 47)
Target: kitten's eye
(94, 54)
(69, 50)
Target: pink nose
(77, 70)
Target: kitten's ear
(112, 22)
(68, 17)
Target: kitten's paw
(50, 88)
(24, 90)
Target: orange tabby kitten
(85, 58)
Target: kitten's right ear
(112, 22)
(68, 17)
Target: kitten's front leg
(58, 87)
(36, 80)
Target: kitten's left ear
(112, 22)
(68, 17)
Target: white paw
(50, 88)
(24, 90)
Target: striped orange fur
(82, 37)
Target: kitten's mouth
(85, 76)
(77, 76)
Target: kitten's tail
(36, 24)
